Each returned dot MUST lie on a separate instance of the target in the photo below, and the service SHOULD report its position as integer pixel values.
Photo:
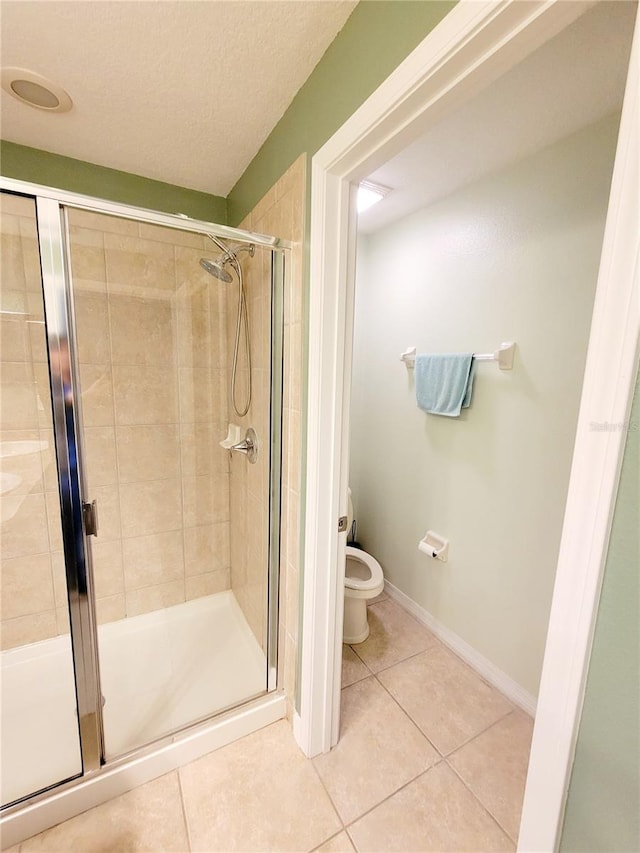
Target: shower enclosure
(139, 549)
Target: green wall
(603, 806)
(53, 170)
(377, 36)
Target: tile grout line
(389, 796)
(184, 811)
(478, 800)
(333, 805)
(482, 732)
(411, 720)
(327, 840)
(402, 660)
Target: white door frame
(473, 45)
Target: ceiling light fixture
(35, 90)
(369, 194)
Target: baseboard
(485, 669)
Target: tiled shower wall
(151, 346)
(152, 357)
(281, 213)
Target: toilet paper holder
(434, 545)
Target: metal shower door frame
(52, 230)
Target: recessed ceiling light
(35, 90)
(369, 194)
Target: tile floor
(430, 758)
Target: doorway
(421, 105)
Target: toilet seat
(367, 584)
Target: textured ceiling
(183, 91)
(573, 80)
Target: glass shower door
(40, 735)
(182, 633)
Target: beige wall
(281, 213)
(513, 256)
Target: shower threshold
(159, 671)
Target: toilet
(363, 580)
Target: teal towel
(444, 383)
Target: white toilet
(363, 580)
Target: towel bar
(503, 355)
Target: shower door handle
(90, 518)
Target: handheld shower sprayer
(217, 268)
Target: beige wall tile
(206, 548)
(142, 330)
(148, 452)
(15, 205)
(202, 395)
(136, 266)
(174, 236)
(100, 456)
(108, 501)
(24, 469)
(27, 629)
(107, 567)
(86, 236)
(48, 459)
(200, 452)
(18, 398)
(14, 340)
(11, 260)
(200, 343)
(153, 506)
(24, 526)
(110, 609)
(62, 620)
(101, 222)
(54, 520)
(58, 574)
(96, 386)
(207, 584)
(92, 327)
(145, 395)
(154, 597)
(13, 300)
(88, 269)
(206, 500)
(27, 586)
(43, 394)
(153, 559)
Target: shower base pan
(160, 671)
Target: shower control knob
(249, 446)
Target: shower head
(216, 268)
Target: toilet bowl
(363, 580)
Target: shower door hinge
(90, 518)
(342, 523)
